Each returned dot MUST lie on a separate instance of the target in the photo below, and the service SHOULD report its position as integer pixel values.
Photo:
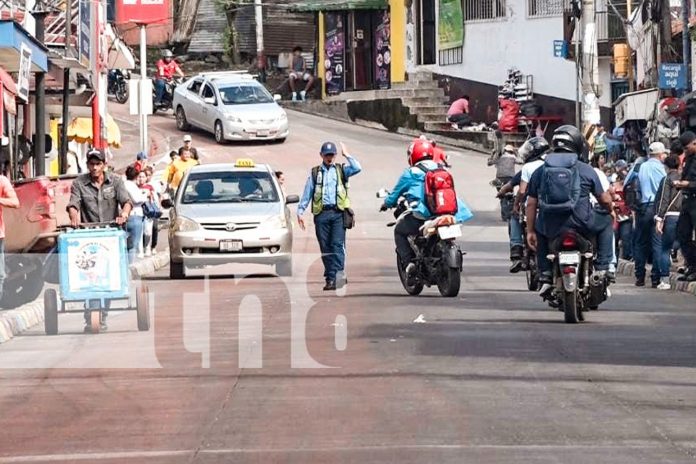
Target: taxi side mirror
(290, 199)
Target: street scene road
(244, 366)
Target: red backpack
(440, 196)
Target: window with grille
(541, 8)
(477, 10)
(451, 56)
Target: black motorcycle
(438, 256)
(118, 85)
(167, 97)
(577, 288)
(529, 258)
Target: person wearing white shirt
(135, 223)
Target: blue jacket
(411, 186)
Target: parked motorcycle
(438, 256)
(167, 97)
(577, 288)
(118, 85)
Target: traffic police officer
(327, 191)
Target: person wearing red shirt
(458, 112)
(167, 68)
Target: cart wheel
(51, 312)
(95, 321)
(142, 306)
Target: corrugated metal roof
(339, 5)
(208, 33)
(282, 29)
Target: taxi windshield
(229, 187)
(244, 94)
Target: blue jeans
(669, 237)
(134, 227)
(332, 241)
(625, 235)
(647, 241)
(160, 85)
(515, 232)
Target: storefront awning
(80, 130)
(12, 37)
(339, 5)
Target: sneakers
(546, 291)
(516, 266)
(640, 283)
(294, 96)
(330, 285)
(148, 253)
(141, 255)
(664, 285)
(303, 95)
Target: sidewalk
(627, 268)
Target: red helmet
(422, 150)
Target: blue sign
(85, 35)
(672, 76)
(560, 48)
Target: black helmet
(569, 139)
(533, 149)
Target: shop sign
(334, 53)
(383, 51)
(24, 70)
(450, 24)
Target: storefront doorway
(427, 29)
(361, 32)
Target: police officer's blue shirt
(551, 225)
(411, 186)
(329, 176)
(650, 176)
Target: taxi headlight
(233, 118)
(283, 117)
(183, 224)
(276, 222)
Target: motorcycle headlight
(184, 224)
(276, 222)
(233, 118)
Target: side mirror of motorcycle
(382, 193)
(167, 203)
(209, 100)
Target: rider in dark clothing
(686, 227)
(568, 145)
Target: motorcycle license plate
(230, 245)
(568, 258)
(449, 232)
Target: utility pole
(578, 104)
(686, 42)
(141, 93)
(98, 51)
(590, 65)
(260, 56)
(40, 12)
(63, 155)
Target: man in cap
(326, 190)
(188, 145)
(98, 196)
(646, 240)
(686, 227)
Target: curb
(627, 268)
(16, 321)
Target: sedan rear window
(244, 94)
(230, 187)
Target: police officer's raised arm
(353, 166)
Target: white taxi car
(230, 213)
(232, 106)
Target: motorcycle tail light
(569, 270)
(569, 241)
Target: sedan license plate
(568, 258)
(262, 133)
(231, 245)
(449, 232)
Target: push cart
(93, 270)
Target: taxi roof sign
(245, 163)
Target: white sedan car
(233, 106)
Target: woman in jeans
(135, 223)
(668, 200)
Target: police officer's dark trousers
(686, 229)
(332, 240)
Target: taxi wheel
(176, 270)
(181, 121)
(219, 132)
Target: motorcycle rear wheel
(449, 282)
(413, 290)
(121, 93)
(571, 309)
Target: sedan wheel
(219, 133)
(181, 121)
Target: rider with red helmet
(439, 155)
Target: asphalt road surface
(254, 368)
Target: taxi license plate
(568, 258)
(449, 232)
(231, 245)
(262, 133)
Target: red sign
(142, 11)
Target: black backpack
(632, 194)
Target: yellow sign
(244, 163)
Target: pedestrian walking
(326, 190)
(157, 189)
(98, 196)
(668, 200)
(136, 219)
(686, 226)
(624, 215)
(8, 199)
(178, 168)
(188, 145)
